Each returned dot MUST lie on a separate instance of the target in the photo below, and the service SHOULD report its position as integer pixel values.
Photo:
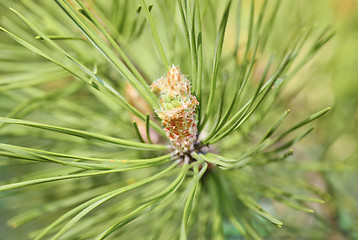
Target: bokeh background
(331, 151)
(330, 154)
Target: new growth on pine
(177, 110)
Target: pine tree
(129, 121)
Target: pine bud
(177, 110)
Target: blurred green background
(332, 80)
(329, 154)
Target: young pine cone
(177, 110)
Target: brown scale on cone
(177, 110)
